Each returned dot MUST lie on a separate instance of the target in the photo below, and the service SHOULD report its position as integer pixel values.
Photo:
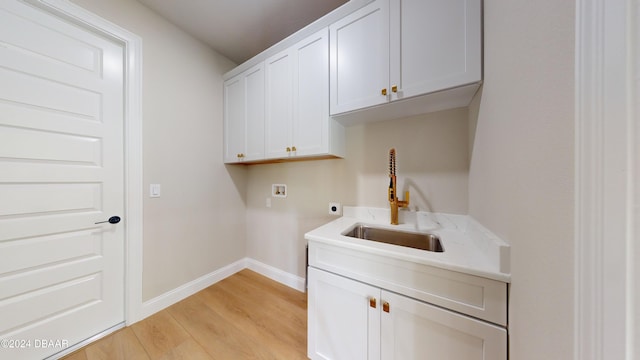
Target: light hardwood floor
(245, 316)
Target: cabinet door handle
(394, 88)
(385, 307)
(384, 91)
(372, 302)
(294, 148)
(288, 149)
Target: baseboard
(276, 274)
(169, 298)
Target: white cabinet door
(415, 330)
(435, 45)
(297, 100)
(311, 95)
(279, 90)
(244, 116)
(342, 324)
(254, 133)
(234, 115)
(359, 58)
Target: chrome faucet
(393, 199)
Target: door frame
(133, 185)
(607, 174)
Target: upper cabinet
(279, 104)
(365, 61)
(360, 58)
(244, 116)
(297, 102)
(279, 109)
(392, 50)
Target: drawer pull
(372, 302)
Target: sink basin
(429, 242)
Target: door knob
(112, 220)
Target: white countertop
(468, 246)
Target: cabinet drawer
(468, 294)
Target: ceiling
(240, 29)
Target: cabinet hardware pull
(372, 302)
(293, 149)
(384, 91)
(385, 307)
(288, 149)
(394, 88)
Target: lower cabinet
(350, 320)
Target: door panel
(234, 118)
(359, 58)
(342, 324)
(61, 170)
(278, 109)
(311, 95)
(435, 45)
(254, 103)
(415, 330)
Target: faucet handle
(405, 202)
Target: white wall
(432, 163)
(197, 225)
(521, 178)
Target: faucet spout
(394, 202)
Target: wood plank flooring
(245, 316)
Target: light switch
(154, 190)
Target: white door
(359, 58)
(61, 171)
(234, 119)
(343, 318)
(311, 95)
(244, 116)
(435, 45)
(415, 330)
(254, 105)
(278, 108)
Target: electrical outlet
(335, 208)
